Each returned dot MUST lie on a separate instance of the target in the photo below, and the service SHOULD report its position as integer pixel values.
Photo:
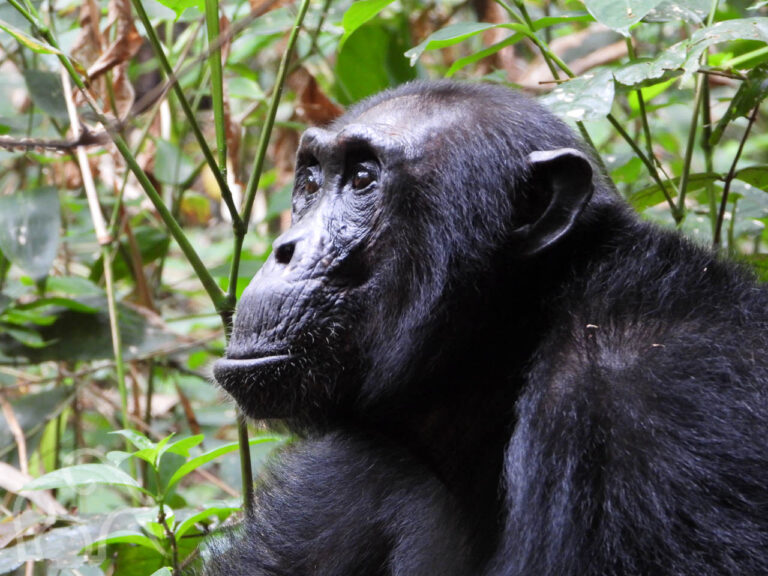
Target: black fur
(494, 367)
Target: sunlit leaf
(653, 71)
(183, 446)
(695, 11)
(206, 457)
(756, 176)
(447, 36)
(220, 511)
(127, 537)
(477, 56)
(358, 14)
(652, 195)
(83, 475)
(372, 60)
(587, 97)
(180, 6)
(25, 39)
(726, 31)
(620, 15)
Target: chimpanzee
(491, 365)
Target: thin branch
(729, 178)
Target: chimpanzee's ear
(560, 188)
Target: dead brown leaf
(126, 43)
(313, 105)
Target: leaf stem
(266, 131)
(226, 194)
(729, 178)
(217, 85)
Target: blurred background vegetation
(146, 152)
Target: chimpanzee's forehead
(413, 114)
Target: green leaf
(684, 57)
(372, 60)
(66, 303)
(206, 457)
(126, 537)
(358, 14)
(182, 447)
(29, 229)
(78, 336)
(138, 440)
(37, 46)
(652, 195)
(573, 18)
(83, 475)
(759, 263)
(164, 571)
(46, 92)
(752, 91)
(447, 36)
(22, 317)
(727, 31)
(643, 73)
(220, 511)
(33, 412)
(477, 56)
(172, 166)
(620, 15)
(73, 286)
(117, 457)
(180, 6)
(756, 176)
(26, 336)
(692, 11)
(588, 97)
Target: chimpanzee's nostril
(284, 252)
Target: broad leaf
(82, 336)
(221, 511)
(46, 92)
(756, 176)
(33, 412)
(358, 14)
(83, 475)
(620, 15)
(648, 72)
(477, 56)
(587, 97)
(675, 10)
(29, 229)
(752, 91)
(727, 31)
(206, 457)
(447, 36)
(372, 60)
(172, 166)
(652, 195)
(127, 537)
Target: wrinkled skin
(493, 367)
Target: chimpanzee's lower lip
(229, 366)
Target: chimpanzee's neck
(458, 420)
